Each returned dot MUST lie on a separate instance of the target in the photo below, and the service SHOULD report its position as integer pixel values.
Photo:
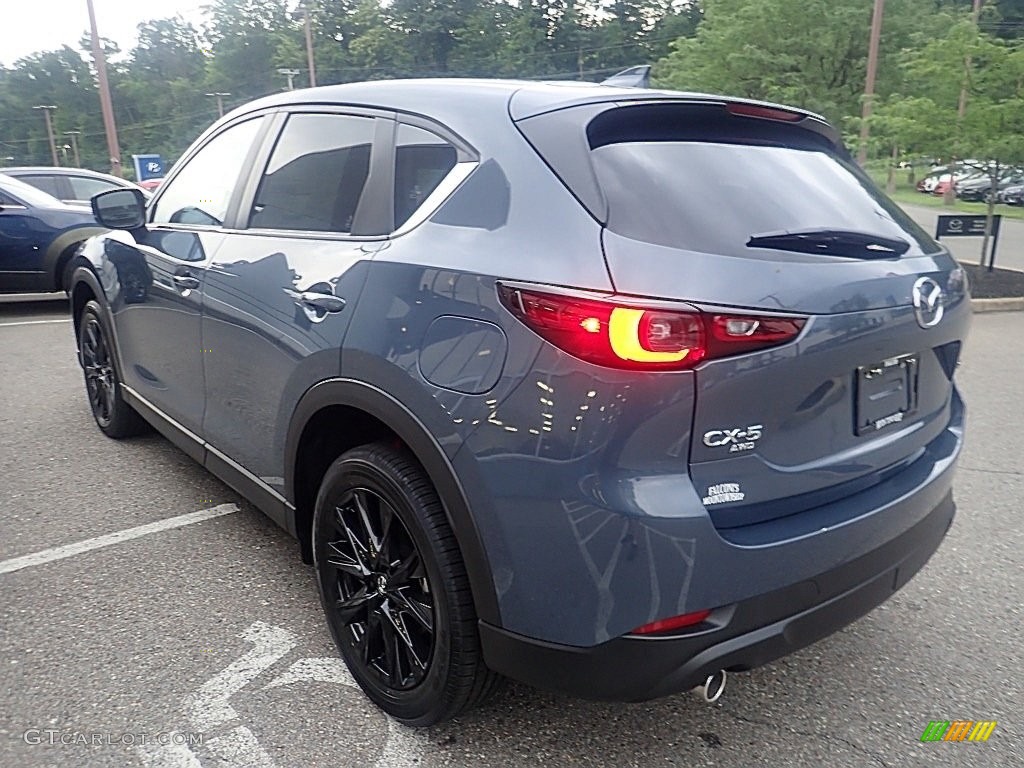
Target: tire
(394, 588)
(113, 415)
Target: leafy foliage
(810, 53)
(160, 86)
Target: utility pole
(106, 105)
(74, 146)
(869, 84)
(290, 74)
(47, 110)
(962, 106)
(219, 95)
(309, 42)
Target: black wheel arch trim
(83, 273)
(411, 430)
(56, 248)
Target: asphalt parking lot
(185, 631)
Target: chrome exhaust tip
(713, 688)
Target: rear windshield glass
(703, 193)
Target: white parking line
(35, 322)
(67, 550)
(170, 755)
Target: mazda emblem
(928, 306)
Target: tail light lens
(618, 335)
(733, 334)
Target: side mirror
(120, 208)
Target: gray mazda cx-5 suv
(601, 389)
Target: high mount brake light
(615, 335)
(766, 113)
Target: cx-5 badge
(738, 439)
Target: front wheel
(113, 415)
(394, 588)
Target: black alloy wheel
(382, 596)
(394, 587)
(113, 415)
(99, 371)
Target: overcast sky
(29, 26)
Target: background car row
(973, 184)
(38, 236)
(44, 216)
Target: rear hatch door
(736, 211)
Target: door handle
(186, 282)
(325, 302)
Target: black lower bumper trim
(755, 632)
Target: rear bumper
(738, 637)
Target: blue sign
(148, 167)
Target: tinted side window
(83, 188)
(422, 159)
(316, 174)
(200, 193)
(47, 184)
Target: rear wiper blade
(833, 242)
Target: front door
(157, 312)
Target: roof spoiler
(634, 77)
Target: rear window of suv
(697, 178)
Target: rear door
(280, 292)
(741, 210)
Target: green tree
(809, 53)
(991, 73)
(246, 37)
(166, 68)
(907, 127)
(61, 78)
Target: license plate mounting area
(886, 393)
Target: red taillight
(676, 622)
(733, 334)
(765, 113)
(619, 335)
